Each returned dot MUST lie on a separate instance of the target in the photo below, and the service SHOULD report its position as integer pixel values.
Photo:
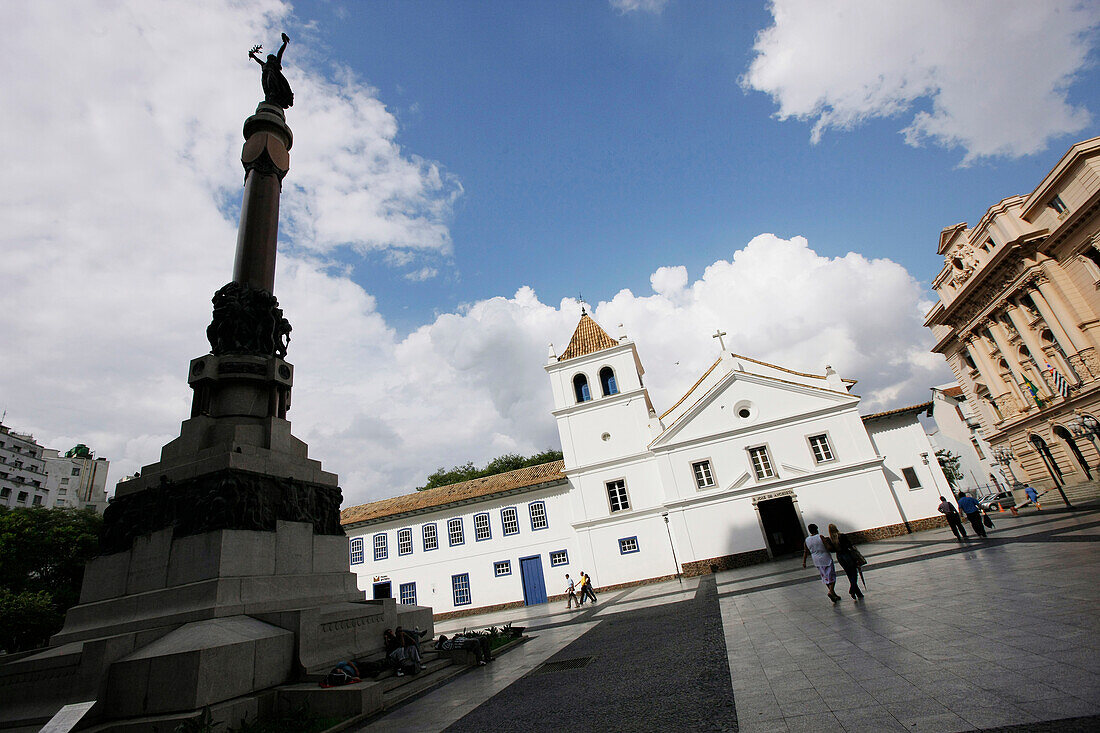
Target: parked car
(997, 502)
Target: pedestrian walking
(948, 510)
(823, 561)
(586, 588)
(1033, 497)
(571, 590)
(968, 505)
(849, 558)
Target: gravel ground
(661, 668)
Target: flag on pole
(1034, 393)
(1060, 382)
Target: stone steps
(1087, 492)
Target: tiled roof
(587, 339)
(464, 491)
(923, 407)
(953, 392)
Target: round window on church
(744, 413)
(745, 410)
(605, 437)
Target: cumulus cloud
(119, 224)
(988, 76)
(645, 6)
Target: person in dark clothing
(948, 510)
(968, 505)
(846, 556)
(478, 644)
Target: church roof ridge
(911, 408)
(789, 371)
(587, 339)
(441, 496)
(691, 389)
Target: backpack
(343, 673)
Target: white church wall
(903, 444)
(612, 428)
(645, 551)
(432, 571)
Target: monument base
(174, 624)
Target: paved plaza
(990, 634)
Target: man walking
(571, 590)
(823, 561)
(1033, 497)
(968, 505)
(948, 510)
(586, 588)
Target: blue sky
(462, 171)
(593, 146)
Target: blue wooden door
(534, 586)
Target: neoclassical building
(730, 474)
(1018, 320)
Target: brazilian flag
(1034, 393)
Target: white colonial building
(729, 475)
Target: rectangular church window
(408, 594)
(431, 537)
(504, 567)
(460, 584)
(628, 545)
(538, 515)
(404, 542)
(704, 477)
(911, 477)
(509, 517)
(381, 548)
(819, 444)
(481, 527)
(559, 557)
(761, 462)
(455, 535)
(357, 551)
(616, 496)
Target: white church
(730, 475)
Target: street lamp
(1004, 456)
(1085, 426)
(674, 560)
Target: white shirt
(816, 545)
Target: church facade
(730, 475)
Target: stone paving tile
(936, 723)
(811, 723)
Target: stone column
(1001, 392)
(1061, 322)
(1015, 366)
(266, 160)
(1029, 337)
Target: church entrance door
(782, 527)
(534, 585)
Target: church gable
(743, 401)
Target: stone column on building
(1033, 343)
(1016, 367)
(1000, 391)
(1062, 323)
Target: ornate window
(607, 382)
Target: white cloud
(424, 273)
(115, 236)
(988, 76)
(645, 6)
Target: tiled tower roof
(587, 339)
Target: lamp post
(674, 560)
(1085, 426)
(1004, 456)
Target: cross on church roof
(718, 335)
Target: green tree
(949, 462)
(42, 557)
(507, 462)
